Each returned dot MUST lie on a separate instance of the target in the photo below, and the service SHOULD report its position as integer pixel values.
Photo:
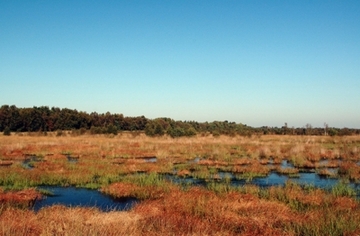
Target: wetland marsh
(169, 184)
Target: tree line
(52, 119)
(45, 119)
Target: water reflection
(29, 161)
(151, 159)
(72, 159)
(273, 179)
(71, 196)
(286, 164)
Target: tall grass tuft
(328, 222)
(219, 187)
(342, 189)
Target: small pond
(195, 160)
(28, 162)
(71, 196)
(273, 179)
(150, 159)
(72, 159)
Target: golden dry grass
(168, 210)
(123, 154)
(198, 211)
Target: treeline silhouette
(45, 119)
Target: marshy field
(133, 184)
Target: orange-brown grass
(122, 189)
(105, 161)
(350, 170)
(254, 168)
(298, 198)
(326, 173)
(201, 212)
(23, 199)
(126, 145)
(6, 163)
(287, 171)
(111, 156)
(289, 210)
(59, 220)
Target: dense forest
(45, 119)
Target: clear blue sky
(252, 62)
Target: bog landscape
(179, 118)
(64, 172)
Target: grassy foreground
(198, 211)
(113, 164)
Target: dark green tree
(7, 131)
(111, 129)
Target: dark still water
(81, 197)
(273, 179)
(304, 179)
(71, 196)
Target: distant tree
(190, 131)
(215, 133)
(43, 119)
(96, 130)
(150, 129)
(111, 129)
(59, 133)
(344, 131)
(159, 130)
(176, 132)
(332, 132)
(308, 129)
(285, 128)
(326, 126)
(7, 131)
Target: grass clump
(342, 189)
(219, 187)
(328, 221)
(141, 186)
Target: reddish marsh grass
(24, 199)
(105, 161)
(122, 154)
(291, 210)
(201, 212)
(102, 159)
(59, 220)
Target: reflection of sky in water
(72, 159)
(273, 179)
(151, 160)
(303, 179)
(70, 196)
(314, 179)
(28, 163)
(286, 164)
(195, 160)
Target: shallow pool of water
(29, 161)
(151, 159)
(71, 196)
(286, 164)
(273, 179)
